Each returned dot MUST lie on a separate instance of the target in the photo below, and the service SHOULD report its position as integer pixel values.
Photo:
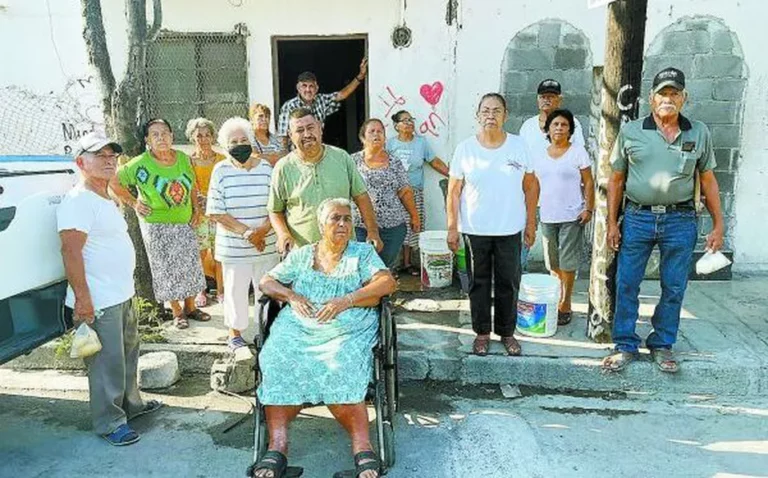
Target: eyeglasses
(407, 120)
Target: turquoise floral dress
(304, 361)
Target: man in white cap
(655, 161)
(99, 260)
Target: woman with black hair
(413, 151)
(168, 213)
(566, 202)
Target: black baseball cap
(668, 77)
(549, 86)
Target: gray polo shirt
(658, 172)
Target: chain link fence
(190, 75)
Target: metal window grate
(196, 74)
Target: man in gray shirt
(654, 162)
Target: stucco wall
(464, 57)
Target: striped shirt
(243, 195)
(274, 145)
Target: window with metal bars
(196, 74)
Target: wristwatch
(248, 233)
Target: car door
(32, 279)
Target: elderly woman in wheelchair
(319, 346)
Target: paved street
(443, 431)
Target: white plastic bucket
(537, 305)
(436, 259)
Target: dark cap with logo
(668, 77)
(93, 142)
(549, 86)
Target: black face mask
(241, 152)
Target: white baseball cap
(93, 142)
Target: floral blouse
(383, 185)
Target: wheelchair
(382, 388)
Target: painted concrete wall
(464, 59)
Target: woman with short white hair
(201, 133)
(245, 242)
(319, 346)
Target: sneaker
(235, 343)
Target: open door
(335, 60)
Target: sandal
(236, 342)
(201, 300)
(617, 361)
(364, 461)
(512, 346)
(180, 322)
(480, 345)
(122, 436)
(199, 315)
(666, 360)
(149, 407)
(277, 463)
(563, 318)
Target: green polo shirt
(658, 172)
(299, 187)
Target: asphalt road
(442, 431)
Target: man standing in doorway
(99, 260)
(654, 161)
(321, 105)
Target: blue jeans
(675, 233)
(392, 237)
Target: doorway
(335, 60)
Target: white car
(32, 280)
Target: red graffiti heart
(432, 93)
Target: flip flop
(666, 360)
(235, 343)
(149, 407)
(122, 436)
(199, 315)
(617, 361)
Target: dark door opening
(335, 61)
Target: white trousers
(237, 278)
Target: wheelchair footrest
(293, 472)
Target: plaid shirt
(323, 106)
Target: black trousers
(496, 257)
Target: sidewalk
(723, 342)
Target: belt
(664, 208)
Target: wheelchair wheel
(389, 445)
(260, 432)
